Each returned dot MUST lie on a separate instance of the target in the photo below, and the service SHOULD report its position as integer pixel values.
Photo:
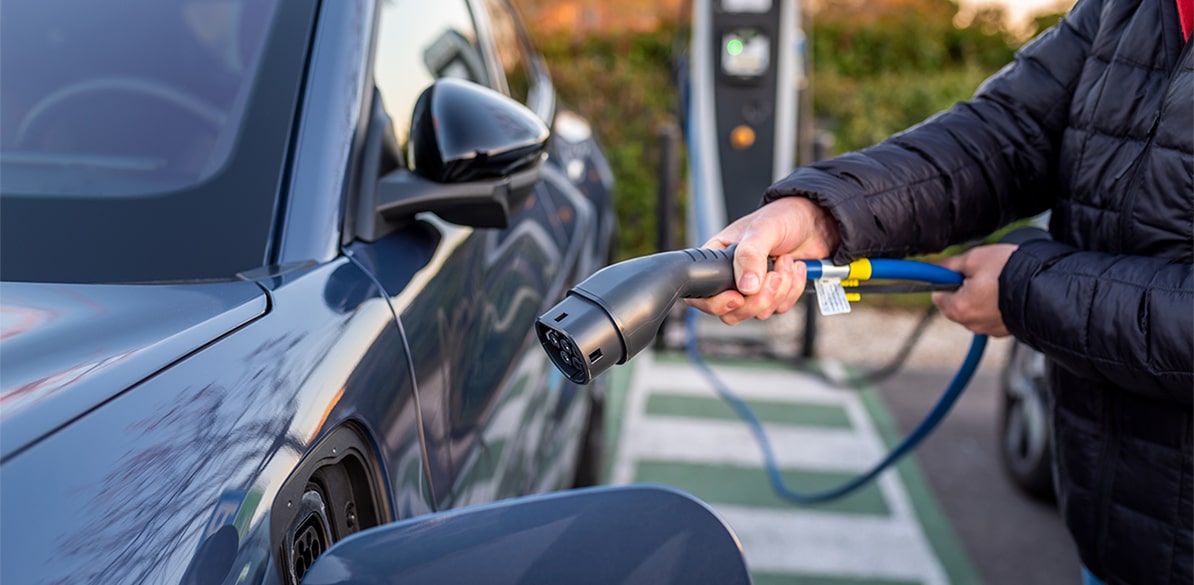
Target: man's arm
(1128, 320)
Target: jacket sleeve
(966, 171)
(1127, 320)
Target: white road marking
(769, 385)
(795, 541)
(713, 442)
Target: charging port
(333, 493)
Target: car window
(124, 97)
(417, 43)
(145, 140)
(512, 53)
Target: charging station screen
(745, 53)
(746, 5)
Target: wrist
(823, 230)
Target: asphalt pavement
(1009, 537)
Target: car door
(519, 71)
(468, 310)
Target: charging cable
(826, 277)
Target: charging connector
(617, 312)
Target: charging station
(745, 65)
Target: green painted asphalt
(812, 415)
(748, 486)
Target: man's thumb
(750, 263)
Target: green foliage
(860, 111)
(894, 64)
(913, 37)
(622, 84)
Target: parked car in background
(270, 270)
(1026, 405)
(1025, 422)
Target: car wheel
(590, 465)
(1025, 427)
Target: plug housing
(615, 313)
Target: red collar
(1185, 13)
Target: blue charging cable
(861, 270)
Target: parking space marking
(795, 541)
(714, 441)
(746, 486)
(672, 433)
(768, 411)
(763, 384)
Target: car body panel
(69, 348)
(484, 391)
(622, 535)
(338, 81)
(210, 440)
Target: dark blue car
(268, 283)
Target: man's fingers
(718, 242)
(719, 304)
(779, 283)
(954, 263)
(761, 304)
(943, 300)
(799, 274)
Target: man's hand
(787, 229)
(976, 304)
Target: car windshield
(130, 113)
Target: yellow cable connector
(860, 269)
(853, 297)
(849, 282)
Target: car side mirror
(462, 132)
(620, 535)
(475, 155)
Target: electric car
(270, 272)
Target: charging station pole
(745, 66)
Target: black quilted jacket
(1095, 120)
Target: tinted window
(145, 140)
(124, 97)
(511, 51)
(418, 42)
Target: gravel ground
(866, 337)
